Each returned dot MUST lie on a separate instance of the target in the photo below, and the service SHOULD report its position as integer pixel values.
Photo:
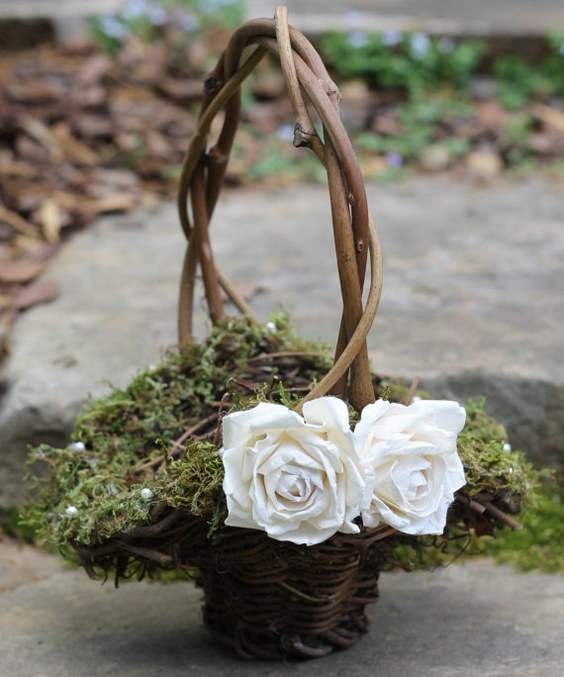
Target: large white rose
(298, 479)
(411, 463)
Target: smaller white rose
(411, 462)
(297, 478)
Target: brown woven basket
(271, 598)
(265, 597)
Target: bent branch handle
(354, 234)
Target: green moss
(161, 435)
(539, 544)
(137, 437)
(489, 464)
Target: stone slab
(452, 17)
(472, 300)
(455, 17)
(474, 619)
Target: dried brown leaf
(118, 202)
(21, 270)
(181, 89)
(93, 70)
(491, 116)
(34, 91)
(44, 136)
(18, 223)
(50, 218)
(41, 291)
(550, 116)
(93, 126)
(72, 146)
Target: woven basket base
(270, 599)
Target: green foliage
(518, 81)
(151, 20)
(412, 63)
(540, 543)
(423, 120)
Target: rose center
(416, 485)
(293, 487)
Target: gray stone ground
(451, 17)
(466, 620)
(479, 17)
(517, 23)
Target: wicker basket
(265, 597)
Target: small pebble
(146, 493)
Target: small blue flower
(420, 45)
(135, 9)
(211, 6)
(187, 22)
(285, 133)
(394, 160)
(391, 37)
(157, 15)
(112, 27)
(357, 39)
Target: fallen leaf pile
(84, 133)
(81, 134)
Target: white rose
(298, 479)
(411, 463)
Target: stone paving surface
(462, 621)
(478, 17)
(517, 17)
(517, 24)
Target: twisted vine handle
(354, 234)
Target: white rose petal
(297, 478)
(411, 462)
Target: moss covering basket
(281, 480)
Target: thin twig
(176, 446)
